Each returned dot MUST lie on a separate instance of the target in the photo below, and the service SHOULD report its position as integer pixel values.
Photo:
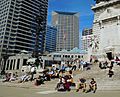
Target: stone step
(108, 88)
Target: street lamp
(40, 28)
(39, 20)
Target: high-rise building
(50, 40)
(87, 37)
(18, 25)
(67, 24)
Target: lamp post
(39, 20)
(40, 28)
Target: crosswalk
(47, 92)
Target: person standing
(110, 72)
(33, 71)
(82, 65)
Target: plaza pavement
(38, 92)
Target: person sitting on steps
(81, 85)
(92, 86)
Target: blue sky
(81, 6)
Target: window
(18, 63)
(11, 64)
(14, 64)
(24, 62)
(72, 56)
(7, 65)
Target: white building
(106, 28)
(65, 55)
(15, 63)
(86, 42)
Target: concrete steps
(101, 77)
(109, 85)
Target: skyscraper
(18, 25)
(67, 24)
(50, 44)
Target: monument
(106, 29)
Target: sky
(81, 6)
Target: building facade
(87, 31)
(65, 56)
(67, 24)
(106, 27)
(87, 42)
(18, 25)
(86, 38)
(15, 63)
(21, 61)
(50, 40)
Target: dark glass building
(18, 25)
(51, 39)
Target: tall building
(106, 27)
(67, 24)
(87, 37)
(50, 40)
(87, 31)
(18, 25)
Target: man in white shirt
(33, 71)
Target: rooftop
(66, 13)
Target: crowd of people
(58, 71)
(109, 64)
(65, 84)
(63, 72)
(66, 80)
